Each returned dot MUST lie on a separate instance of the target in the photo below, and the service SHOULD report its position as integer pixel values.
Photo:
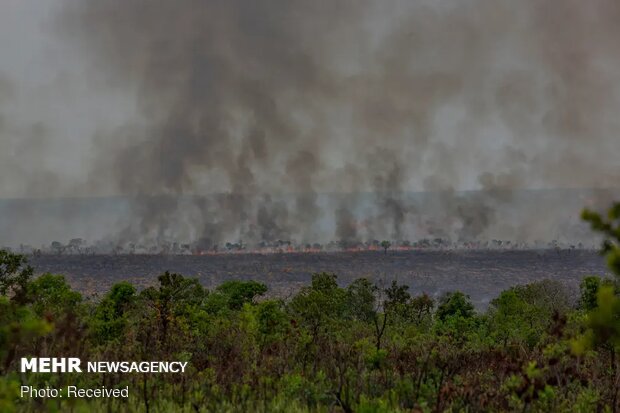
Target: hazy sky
(49, 110)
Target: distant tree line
(79, 246)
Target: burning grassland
(468, 220)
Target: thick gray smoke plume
(249, 112)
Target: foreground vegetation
(357, 348)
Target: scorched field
(481, 274)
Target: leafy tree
(50, 294)
(19, 326)
(175, 295)
(241, 292)
(57, 247)
(321, 302)
(455, 304)
(609, 227)
(394, 300)
(324, 282)
(15, 274)
(216, 303)
(524, 314)
(512, 319)
(272, 320)
(110, 318)
(589, 289)
(603, 320)
(362, 300)
(76, 245)
(421, 309)
(385, 244)
(320, 311)
(549, 296)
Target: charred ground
(480, 273)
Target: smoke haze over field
(261, 108)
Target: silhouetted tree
(385, 245)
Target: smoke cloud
(248, 115)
